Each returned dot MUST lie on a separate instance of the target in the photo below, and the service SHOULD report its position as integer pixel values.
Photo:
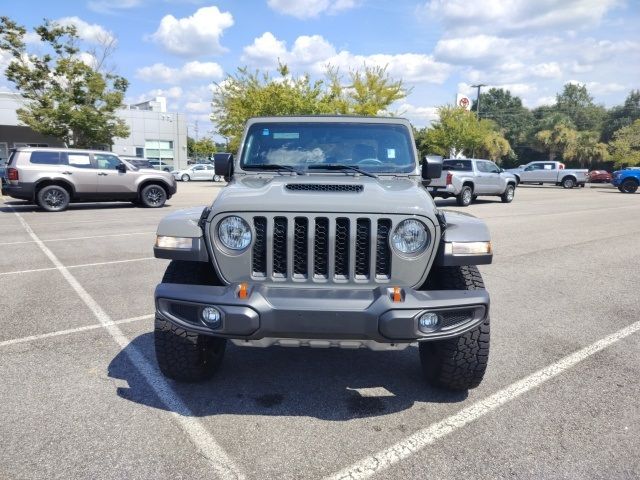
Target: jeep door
(79, 170)
(111, 181)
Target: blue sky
(177, 48)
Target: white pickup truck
(468, 178)
(550, 172)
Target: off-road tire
(53, 198)
(629, 186)
(620, 189)
(153, 196)
(568, 182)
(508, 194)
(185, 178)
(465, 197)
(185, 356)
(456, 363)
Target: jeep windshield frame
(375, 148)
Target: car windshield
(372, 147)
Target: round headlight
(234, 233)
(410, 236)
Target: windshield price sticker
(286, 136)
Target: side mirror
(121, 167)
(431, 168)
(223, 164)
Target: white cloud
(159, 72)
(109, 6)
(90, 32)
(417, 115)
(311, 8)
(198, 107)
(516, 15)
(315, 53)
(196, 35)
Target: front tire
(629, 186)
(153, 196)
(508, 194)
(185, 356)
(457, 363)
(465, 197)
(53, 198)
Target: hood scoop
(324, 187)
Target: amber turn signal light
(243, 290)
(396, 295)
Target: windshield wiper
(271, 166)
(338, 166)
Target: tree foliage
(247, 94)
(622, 115)
(203, 147)
(625, 147)
(458, 132)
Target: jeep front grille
(319, 248)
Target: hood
(317, 193)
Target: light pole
(478, 86)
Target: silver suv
(54, 177)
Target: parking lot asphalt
(81, 395)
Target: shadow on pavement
(320, 383)
(20, 206)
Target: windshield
(372, 147)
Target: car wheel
(457, 363)
(185, 178)
(568, 182)
(465, 197)
(153, 196)
(507, 196)
(217, 178)
(53, 198)
(185, 356)
(620, 189)
(629, 186)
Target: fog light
(211, 316)
(428, 322)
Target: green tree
(65, 97)
(508, 112)
(588, 150)
(558, 142)
(625, 147)
(576, 103)
(247, 94)
(622, 115)
(459, 132)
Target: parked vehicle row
(467, 179)
(197, 172)
(55, 177)
(550, 172)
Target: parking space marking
(384, 459)
(78, 266)
(69, 331)
(224, 467)
(79, 238)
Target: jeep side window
(77, 160)
(45, 158)
(106, 162)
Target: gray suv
(54, 177)
(324, 237)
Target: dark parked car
(138, 162)
(598, 176)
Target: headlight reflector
(410, 237)
(234, 233)
(183, 243)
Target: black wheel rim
(154, 196)
(54, 198)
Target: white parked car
(197, 172)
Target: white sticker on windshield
(284, 135)
(391, 153)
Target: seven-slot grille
(321, 248)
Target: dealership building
(154, 133)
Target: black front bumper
(312, 313)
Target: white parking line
(78, 238)
(78, 266)
(384, 459)
(224, 467)
(69, 331)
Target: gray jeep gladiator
(324, 237)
